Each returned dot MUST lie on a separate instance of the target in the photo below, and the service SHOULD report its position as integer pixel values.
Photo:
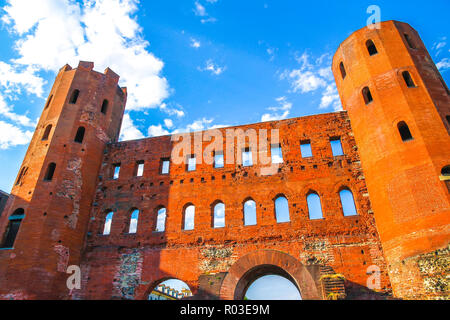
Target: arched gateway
(259, 263)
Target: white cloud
(199, 125)
(314, 76)
(443, 65)
(11, 136)
(7, 112)
(52, 33)
(129, 131)
(199, 9)
(13, 80)
(213, 68)
(279, 112)
(156, 131)
(172, 111)
(195, 43)
(168, 123)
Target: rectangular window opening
(336, 146)
(218, 159)
(276, 153)
(116, 171)
(305, 148)
(140, 168)
(247, 160)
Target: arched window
(348, 203)
(134, 221)
(48, 102)
(74, 96)
(13, 228)
(342, 68)
(409, 41)
(314, 206)
(161, 220)
(282, 209)
(250, 213)
(50, 172)
(108, 222)
(371, 47)
(47, 131)
(408, 79)
(104, 109)
(404, 131)
(80, 135)
(367, 95)
(22, 174)
(219, 215)
(189, 217)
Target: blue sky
(189, 65)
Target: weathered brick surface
(411, 204)
(408, 204)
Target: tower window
(250, 213)
(282, 209)
(189, 218)
(192, 163)
(116, 171)
(305, 148)
(409, 41)
(277, 154)
(367, 95)
(218, 159)
(22, 174)
(48, 102)
(336, 146)
(161, 220)
(134, 221)
(104, 109)
(108, 222)
(348, 203)
(79, 137)
(74, 97)
(50, 172)
(371, 47)
(165, 166)
(342, 68)
(140, 168)
(13, 228)
(404, 131)
(219, 215)
(314, 206)
(408, 79)
(247, 160)
(47, 133)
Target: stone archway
(255, 264)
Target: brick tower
(399, 107)
(44, 224)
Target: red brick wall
(347, 244)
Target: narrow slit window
(48, 102)
(305, 148)
(192, 163)
(218, 159)
(367, 95)
(140, 168)
(116, 171)
(134, 221)
(47, 131)
(282, 210)
(104, 109)
(408, 79)
(314, 206)
(277, 154)
(348, 203)
(15, 221)
(189, 218)
(79, 137)
(74, 96)
(404, 131)
(371, 47)
(165, 166)
(161, 220)
(247, 160)
(336, 147)
(108, 222)
(219, 215)
(250, 213)
(409, 41)
(343, 72)
(50, 172)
